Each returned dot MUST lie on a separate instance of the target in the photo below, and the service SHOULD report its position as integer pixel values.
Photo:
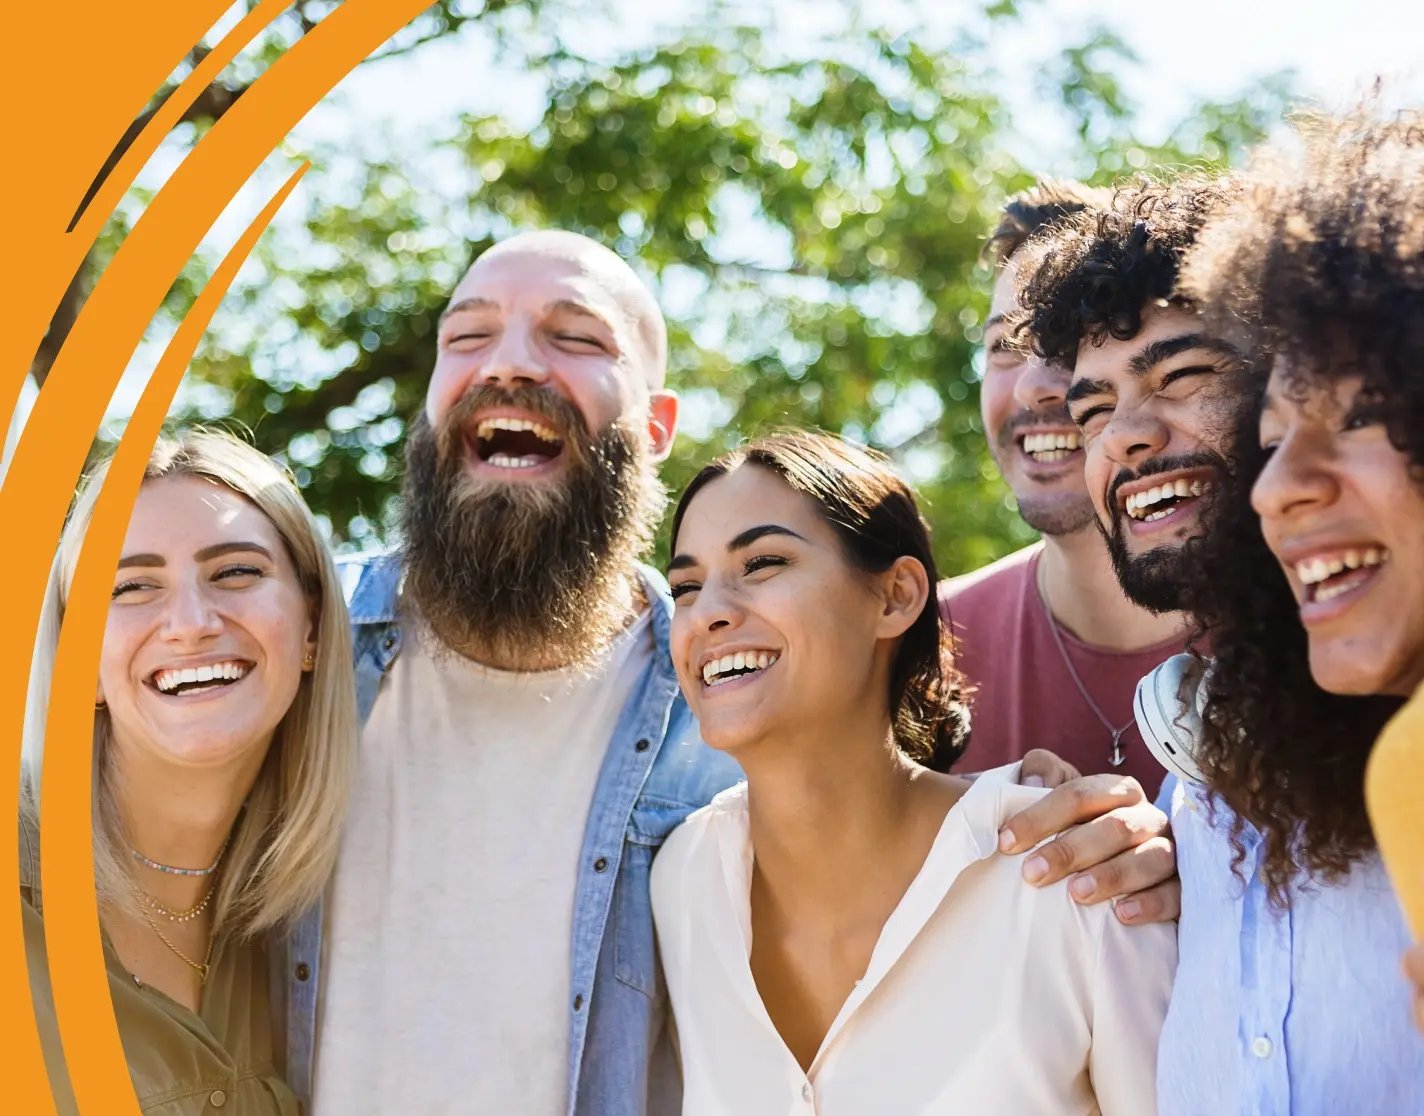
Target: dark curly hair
(1321, 262)
(874, 514)
(1092, 275)
(1044, 203)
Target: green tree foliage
(812, 225)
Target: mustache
(1056, 417)
(562, 414)
(1159, 466)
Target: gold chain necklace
(202, 969)
(178, 916)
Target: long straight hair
(284, 843)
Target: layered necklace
(151, 906)
(1115, 756)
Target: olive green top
(218, 1061)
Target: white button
(806, 1092)
(1262, 1047)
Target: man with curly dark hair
(1152, 392)
(1047, 636)
(1269, 1013)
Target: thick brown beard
(527, 576)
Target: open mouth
(1331, 575)
(716, 672)
(515, 443)
(1161, 501)
(185, 681)
(1048, 448)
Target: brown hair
(874, 514)
(1044, 203)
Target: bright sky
(1189, 50)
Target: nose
(1041, 386)
(716, 608)
(1134, 433)
(192, 615)
(1296, 478)
(514, 358)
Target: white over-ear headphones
(1168, 706)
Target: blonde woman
(224, 734)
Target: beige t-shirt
(450, 921)
(983, 995)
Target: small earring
(309, 663)
(100, 706)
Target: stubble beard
(527, 576)
(1052, 514)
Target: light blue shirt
(656, 772)
(1297, 1012)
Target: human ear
(662, 423)
(904, 588)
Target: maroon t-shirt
(1024, 696)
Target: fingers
(1162, 903)
(1041, 768)
(1079, 800)
(1116, 854)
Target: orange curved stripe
(60, 430)
(97, 1069)
(59, 130)
(61, 126)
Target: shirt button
(642, 745)
(601, 864)
(578, 1001)
(1262, 1047)
(806, 1092)
(217, 1098)
(388, 642)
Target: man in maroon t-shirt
(1047, 638)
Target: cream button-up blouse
(983, 996)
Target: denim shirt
(1294, 1012)
(656, 771)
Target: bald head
(603, 268)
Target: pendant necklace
(1115, 756)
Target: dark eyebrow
(1154, 354)
(206, 554)
(1081, 389)
(219, 549)
(148, 560)
(468, 304)
(741, 542)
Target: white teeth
(1312, 571)
(506, 461)
(717, 671)
(1049, 445)
(514, 425)
(1137, 503)
(169, 680)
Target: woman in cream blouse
(840, 935)
(224, 735)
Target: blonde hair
(284, 842)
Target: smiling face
(207, 630)
(1345, 519)
(761, 579)
(550, 317)
(1157, 413)
(1034, 442)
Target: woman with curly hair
(1308, 576)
